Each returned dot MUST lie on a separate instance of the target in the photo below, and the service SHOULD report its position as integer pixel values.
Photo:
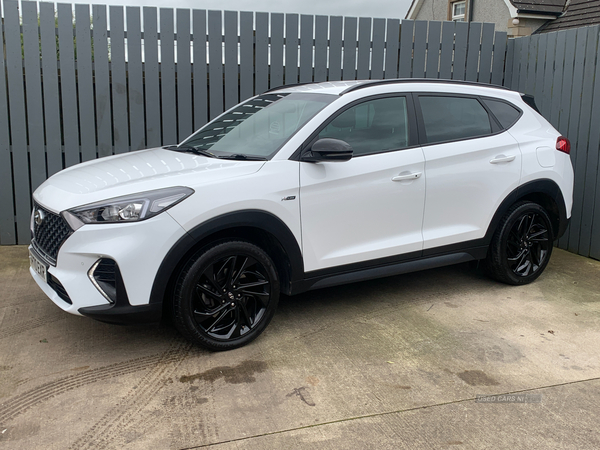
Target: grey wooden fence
(117, 87)
(77, 83)
(561, 70)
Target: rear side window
(506, 114)
(452, 118)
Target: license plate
(38, 266)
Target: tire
(226, 295)
(522, 245)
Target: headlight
(131, 208)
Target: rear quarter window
(449, 118)
(506, 114)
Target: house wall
(433, 10)
(494, 11)
(525, 27)
(491, 11)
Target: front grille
(59, 289)
(50, 234)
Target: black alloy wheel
(522, 244)
(226, 295)
(527, 244)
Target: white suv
(300, 188)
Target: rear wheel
(522, 245)
(226, 295)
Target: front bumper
(138, 248)
(124, 314)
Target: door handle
(407, 176)
(502, 159)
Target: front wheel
(226, 295)
(522, 245)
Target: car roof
(327, 87)
(343, 87)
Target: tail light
(563, 145)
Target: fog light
(103, 275)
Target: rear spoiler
(531, 102)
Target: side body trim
(394, 269)
(394, 265)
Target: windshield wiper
(190, 149)
(243, 157)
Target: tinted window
(371, 127)
(451, 118)
(505, 113)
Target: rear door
(471, 166)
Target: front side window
(260, 126)
(373, 126)
(452, 118)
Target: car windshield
(259, 127)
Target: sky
(357, 8)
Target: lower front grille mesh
(50, 233)
(59, 289)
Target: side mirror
(328, 149)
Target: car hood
(134, 172)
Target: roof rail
(370, 83)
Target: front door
(371, 206)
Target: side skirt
(316, 280)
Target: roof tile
(579, 13)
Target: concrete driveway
(392, 363)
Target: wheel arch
(258, 227)
(545, 193)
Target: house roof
(579, 13)
(413, 4)
(554, 7)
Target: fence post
(7, 217)
(18, 128)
